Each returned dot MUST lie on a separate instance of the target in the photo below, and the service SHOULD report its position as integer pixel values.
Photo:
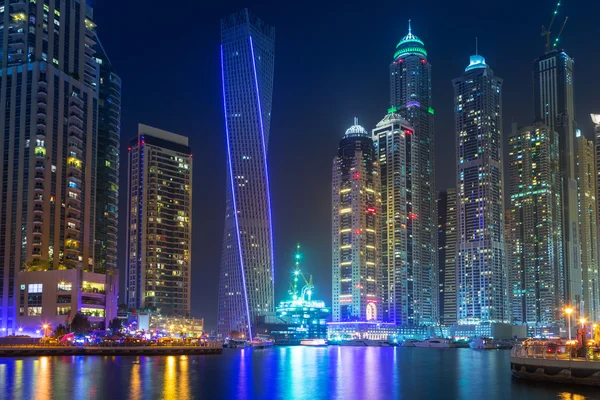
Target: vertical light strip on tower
(237, 227)
(264, 147)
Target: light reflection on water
(281, 373)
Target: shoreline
(34, 351)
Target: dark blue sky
(331, 64)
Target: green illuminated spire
(410, 45)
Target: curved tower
(246, 278)
(410, 97)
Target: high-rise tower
(393, 138)
(356, 203)
(480, 258)
(159, 248)
(554, 106)
(535, 239)
(585, 172)
(107, 176)
(446, 206)
(410, 96)
(247, 271)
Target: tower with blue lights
(480, 258)
(247, 271)
(410, 98)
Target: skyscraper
(480, 258)
(392, 138)
(410, 95)
(596, 121)
(535, 240)
(107, 176)
(585, 172)
(554, 106)
(356, 202)
(247, 267)
(446, 206)
(48, 89)
(159, 247)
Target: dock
(41, 350)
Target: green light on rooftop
(431, 111)
(392, 109)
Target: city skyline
(285, 195)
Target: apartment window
(63, 310)
(34, 288)
(34, 311)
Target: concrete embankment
(26, 351)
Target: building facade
(410, 95)
(356, 202)
(585, 172)
(392, 138)
(480, 258)
(446, 207)
(159, 242)
(246, 283)
(49, 92)
(555, 107)
(53, 298)
(107, 174)
(535, 239)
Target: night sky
(331, 64)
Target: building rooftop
(410, 45)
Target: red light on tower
(371, 210)
(412, 216)
(408, 131)
(357, 232)
(357, 176)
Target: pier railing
(554, 351)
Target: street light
(569, 311)
(582, 322)
(44, 327)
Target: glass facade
(107, 177)
(534, 241)
(159, 248)
(48, 89)
(246, 288)
(446, 207)
(554, 106)
(480, 259)
(410, 96)
(356, 236)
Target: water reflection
(281, 373)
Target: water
(281, 373)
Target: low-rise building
(53, 298)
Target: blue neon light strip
(262, 131)
(237, 227)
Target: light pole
(569, 311)
(44, 327)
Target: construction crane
(547, 32)
(307, 289)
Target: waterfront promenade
(35, 350)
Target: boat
(366, 342)
(560, 361)
(261, 344)
(313, 342)
(435, 343)
(482, 343)
(410, 343)
(236, 344)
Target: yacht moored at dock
(436, 343)
(313, 342)
(481, 343)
